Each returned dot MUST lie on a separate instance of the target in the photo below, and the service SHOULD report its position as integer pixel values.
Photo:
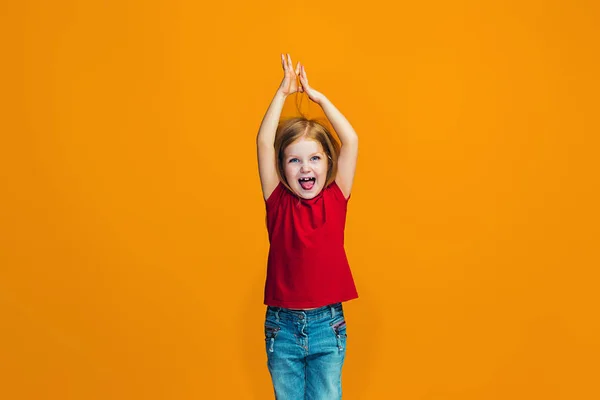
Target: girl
(306, 179)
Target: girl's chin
(307, 194)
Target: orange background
(133, 240)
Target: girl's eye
(316, 158)
(294, 160)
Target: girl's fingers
(284, 62)
(303, 75)
(298, 68)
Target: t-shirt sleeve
(275, 196)
(339, 195)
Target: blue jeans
(306, 351)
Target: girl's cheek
(291, 171)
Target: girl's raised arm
(265, 139)
(347, 135)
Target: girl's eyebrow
(292, 155)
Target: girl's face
(305, 166)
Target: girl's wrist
(281, 94)
(320, 99)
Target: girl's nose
(304, 168)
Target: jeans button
(301, 316)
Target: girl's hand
(289, 84)
(312, 93)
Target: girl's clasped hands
(290, 85)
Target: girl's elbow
(351, 141)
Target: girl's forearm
(340, 124)
(268, 126)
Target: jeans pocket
(338, 326)
(271, 331)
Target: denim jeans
(306, 351)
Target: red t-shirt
(307, 264)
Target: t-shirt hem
(304, 304)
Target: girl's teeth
(307, 183)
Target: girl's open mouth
(307, 183)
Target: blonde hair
(291, 129)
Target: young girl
(306, 179)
